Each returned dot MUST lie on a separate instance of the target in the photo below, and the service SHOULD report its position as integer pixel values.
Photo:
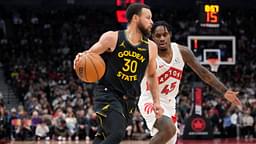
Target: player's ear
(135, 17)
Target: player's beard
(143, 30)
(163, 49)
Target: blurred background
(42, 98)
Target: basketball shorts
(145, 106)
(106, 99)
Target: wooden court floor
(214, 141)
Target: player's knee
(168, 132)
(166, 128)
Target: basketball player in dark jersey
(128, 55)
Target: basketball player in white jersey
(170, 62)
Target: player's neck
(167, 54)
(133, 34)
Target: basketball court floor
(214, 141)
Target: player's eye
(148, 17)
(157, 35)
(165, 34)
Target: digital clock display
(210, 15)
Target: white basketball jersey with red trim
(169, 76)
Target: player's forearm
(96, 48)
(154, 89)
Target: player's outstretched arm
(107, 42)
(207, 76)
(152, 79)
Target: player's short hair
(135, 9)
(161, 23)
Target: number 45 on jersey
(167, 88)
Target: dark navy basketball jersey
(125, 66)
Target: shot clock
(210, 15)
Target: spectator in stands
(26, 132)
(227, 124)
(71, 121)
(4, 127)
(15, 123)
(35, 120)
(61, 129)
(247, 124)
(138, 125)
(93, 123)
(83, 125)
(42, 130)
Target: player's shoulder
(186, 53)
(182, 48)
(152, 49)
(110, 33)
(109, 39)
(152, 43)
(109, 36)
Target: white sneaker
(59, 138)
(77, 138)
(47, 138)
(87, 138)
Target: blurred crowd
(37, 50)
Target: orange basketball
(90, 67)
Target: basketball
(90, 67)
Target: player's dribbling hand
(77, 59)
(231, 96)
(158, 110)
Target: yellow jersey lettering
(119, 74)
(134, 54)
(126, 77)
